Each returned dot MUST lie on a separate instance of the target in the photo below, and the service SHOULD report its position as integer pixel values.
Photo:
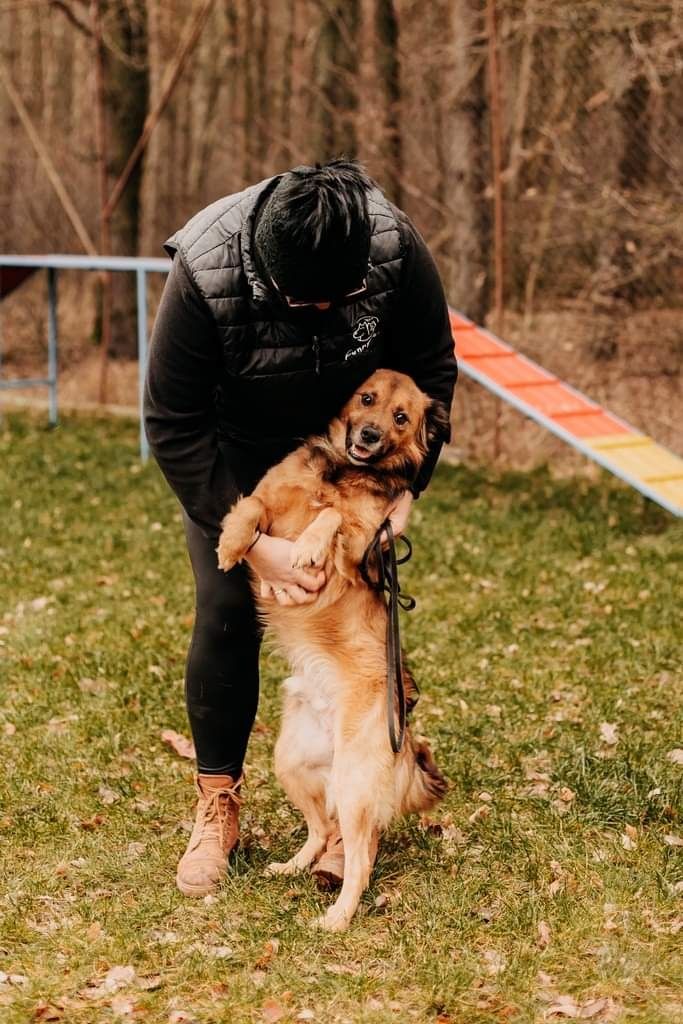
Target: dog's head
(388, 424)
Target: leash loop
(386, 583)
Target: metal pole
(52, 343)
(141, 279)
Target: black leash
(385, 565)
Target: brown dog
(333, 756)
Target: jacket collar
(259, 289)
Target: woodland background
(537, 145)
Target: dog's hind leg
(310, 799)
(303, 759)
(362, 779)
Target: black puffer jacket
(233, 369)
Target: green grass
(545, 609)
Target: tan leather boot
(328, 870)
(216, 831)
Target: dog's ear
(436, 423)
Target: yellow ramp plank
(672, 490)
(619, 441)
(645, 461)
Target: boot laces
(220, 808)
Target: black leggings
(222, 677)
(222, 673)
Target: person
(280, 301)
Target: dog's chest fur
(308, 717)
(302, 490)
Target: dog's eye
(366, 398)
(400, 418)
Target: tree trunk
(334, 99)
(468, 271)
(388, 69)
(126, 93)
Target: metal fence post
(142, 355)
(52, 344)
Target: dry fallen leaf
(495, 961)
(90, 824)
(627, 842)
(220, 952)
(269, 951)
(182, 746)
(46, 1011)
(9, 728)
(593, 1007)
(96, 686)
(543, 935)
(558, 873)
(94, 932)
(122, 1006)
(564, 1006)
(108, 796)
(150, 983)
(272, 1011)
(675, 755)
(608, 733)
(481, 812)
(672, 840)
(118, 977)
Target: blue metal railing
(53, 264)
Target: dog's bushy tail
(427, 784)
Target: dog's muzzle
(364, 444)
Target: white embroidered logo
(357, 351)
(364, 330)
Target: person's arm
(422, 341)
(179, 408)
(180, 420)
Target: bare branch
(64, 7)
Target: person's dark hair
(313, 233)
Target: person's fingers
(308, 580)
(299, 595)
(266, 589)
(282, 597)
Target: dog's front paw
(288, 867)
(333, 921)
(228, 552)
(308, 554)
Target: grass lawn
(547, 886)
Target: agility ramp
(611, 442)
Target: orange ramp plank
(513, 371)
(595, 423)
(552, 399)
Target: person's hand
(398, 514)
(271, 560)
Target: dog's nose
(370, 435)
